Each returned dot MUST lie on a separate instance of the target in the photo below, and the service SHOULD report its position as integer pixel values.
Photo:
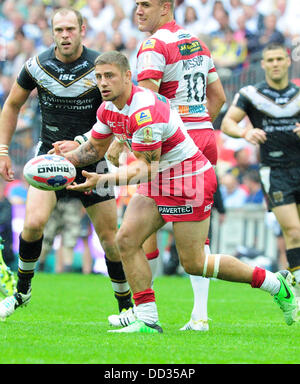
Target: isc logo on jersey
(143, 117)
(67, 77)
(149, 44)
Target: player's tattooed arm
(89, 152)
(85, 154)
(149, 162)
(151, 156)
(140, 171)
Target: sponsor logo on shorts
(278, 196)
(187, 49)
(207, 207)
(179, 210)
(149, 44)
(143, 117)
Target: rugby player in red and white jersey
(176, 64)
(177, 184)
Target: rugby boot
(199, 325)
(11, 303)
(125, 318)
(140, 327)
(285, 298)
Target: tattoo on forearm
(85, 154)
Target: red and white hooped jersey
(183, 63)
(147, 122)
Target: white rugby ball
(49, 172)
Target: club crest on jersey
(143, 117)
(149, 44)
(148, 135)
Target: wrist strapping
(81, 139)
(3, 150)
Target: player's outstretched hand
(6, 170)
(91, 181)
(63, 146)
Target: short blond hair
(114, 57)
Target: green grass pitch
(66, 323)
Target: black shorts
(281, 185)
(86, 199)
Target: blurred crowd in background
(235, 31)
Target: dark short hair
(273, 46)
(64, 11)
(114, 57)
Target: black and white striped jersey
(276, 112)
(68, 93)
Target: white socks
(200, 287)
(147, 312)
(271, 284)
(153, 266)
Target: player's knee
(193, 267)
(292, 235)
(192, 260)
(107, 238)
(109, 245)
(34, 228)
(122, 240)
(125, 243)
(206, 265)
